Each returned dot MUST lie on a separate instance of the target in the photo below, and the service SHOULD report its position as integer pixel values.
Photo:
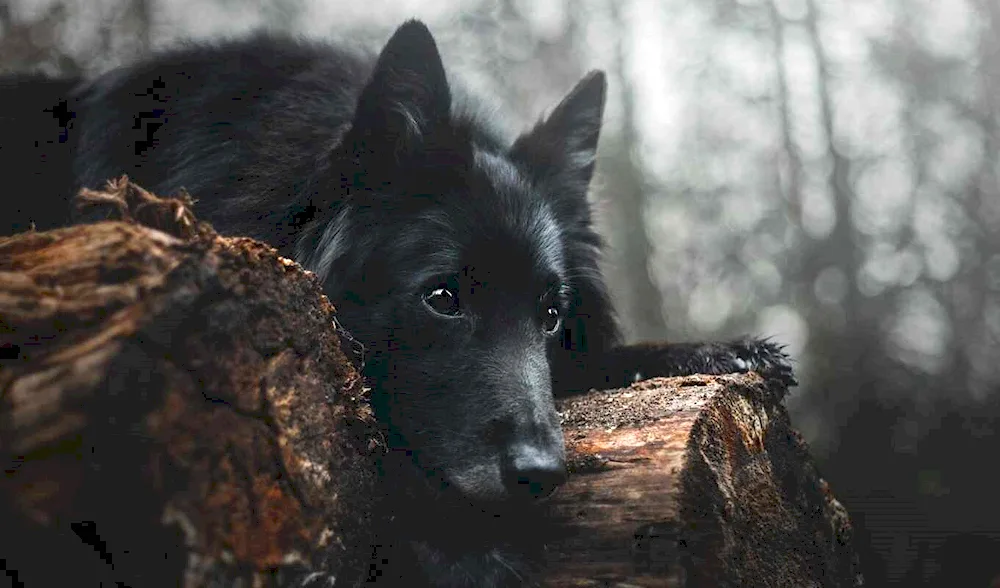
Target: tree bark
(179, 403)
(697, 481)
(175, 409)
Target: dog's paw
(764, 357)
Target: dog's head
(459, 261)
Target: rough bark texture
(697, 481)
(179, 402)
(175, 409)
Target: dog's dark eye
(551, 321)
(442, 301)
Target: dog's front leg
(621, 366)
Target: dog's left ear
(407, 95)
(563, 147)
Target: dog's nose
(533, 472)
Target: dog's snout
(533, 471)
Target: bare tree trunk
(624, 191)
(845, 354)
(982, 211)
(141, 13)
(791, 163)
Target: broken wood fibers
(179, 400)
(697, 481)
(180, 403)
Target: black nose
(534, 473)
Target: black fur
(369, 172)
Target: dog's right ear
(562, 149)
(406, 98)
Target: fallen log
(697, 481)
(175, 409)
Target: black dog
(465, 262)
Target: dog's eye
(442, 301)
(551, 321)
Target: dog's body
(464, 262)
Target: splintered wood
(182, 405)
(175, 409)
(696, 481)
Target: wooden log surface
(696, 481)
(175, 409)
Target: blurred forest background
(823, 171)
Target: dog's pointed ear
(406, 97)
(563, 147)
